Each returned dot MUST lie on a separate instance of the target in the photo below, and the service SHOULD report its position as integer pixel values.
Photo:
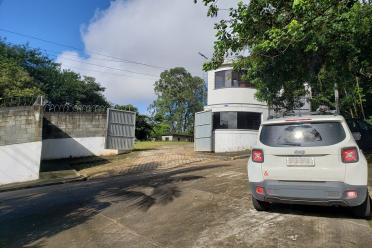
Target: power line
(54, 53)
(108, 67)
(79, 49)
(105, 72)
(77, 68)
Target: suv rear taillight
(257, 156)
(349, 155)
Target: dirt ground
(206, 205)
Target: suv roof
(304, 118)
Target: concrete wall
(20, 144)
(73, 135)
(234, 140)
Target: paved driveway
(199, 206)
(163, 157)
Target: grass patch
(151, 145)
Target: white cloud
(166, 33)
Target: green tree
(160, 127)
(127, 107)
(179, 96)
(293, 42)
(15, 81)
(28, 72)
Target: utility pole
(337, 99)
(360, 98)
(205, 76)
(350, 109)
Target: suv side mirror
(357, 135)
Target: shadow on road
(27, 217)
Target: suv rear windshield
(302, 134)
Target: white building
(177, 138)
(232, 117)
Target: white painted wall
(73, 147)
(20, 162)
(229, 95)
(234, 99)
(234, 140)
(240, 108)
(167, 138)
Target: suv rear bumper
(314, 193)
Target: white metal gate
(203, 140)
(121, 127)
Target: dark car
(362, 132)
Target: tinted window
(223, 79)
(249, 120)
(236, 120)
(303, 134)
(230, 79)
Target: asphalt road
(202, 206)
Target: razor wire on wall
(18, 101)
(49, 106)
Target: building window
(236, 120)
(230, 79)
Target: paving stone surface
(163, 158)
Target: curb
(19, 186)
(111, 174)
(108, 174)
(240, 157)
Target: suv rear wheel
(260, 205)
(363, 210)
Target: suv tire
(260, 205)
(363, 210)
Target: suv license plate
(300, 161)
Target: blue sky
(56, 20)
(164, 33)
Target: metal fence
(121, 127)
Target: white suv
(308, 160)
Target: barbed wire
(18, 101)
(49, 107)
